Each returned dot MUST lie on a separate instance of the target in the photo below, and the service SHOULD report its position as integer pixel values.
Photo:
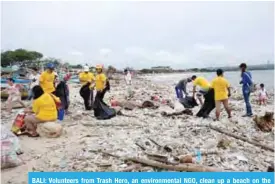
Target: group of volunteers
(218, 92)
(89, 82)
(50, 94)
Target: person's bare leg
(9, 106)
(200, 99)
(31, 124)
(227, 108)
(22, 103)
(264, 102)
(218, 109)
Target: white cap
(86, 69)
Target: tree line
(25, 57)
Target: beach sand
(84, 140)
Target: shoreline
(86, 142)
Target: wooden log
(185, 111)
(242, 138)
(142, 147)
(181, 167)
(131, 168)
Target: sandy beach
(94, 145)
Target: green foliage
(19, 55)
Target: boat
(24, 95)
(16, 81)
(23, 82)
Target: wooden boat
(24, 91)
(24, 95)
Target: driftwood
(180, 167)
(242, 138)
(108, 124)
(142, 147)
(149, 104)
(185, 111)
(153, 141)
(265, 123)
(157, 157)
(131, 168)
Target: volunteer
(181, 87)
(43, 110)
(47, 79)
(208, 93)
(101, 83)
(222, 92)
(87, 79)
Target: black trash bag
(188, 102)
(208, 105)
(62, 92)
(103, 111)
(84, 89)
(108, 86)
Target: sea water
(259, 76)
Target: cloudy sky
(142, 34)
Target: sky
(180, 34)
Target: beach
(94, 145)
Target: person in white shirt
(128, 78)
(34, 78)
(262, 95)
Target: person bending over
(181, 87)
(222, 92)
(208, 92)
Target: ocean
(259, 76)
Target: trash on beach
(18, 123)
(49, 129)
(102, 111)
(188, 102)
(9, 148)
(265, 123)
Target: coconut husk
(265, 123)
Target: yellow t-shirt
(100, 81)
(86, 77)
(220, 86)
(202, 83)
(47, 82)
(44, 107)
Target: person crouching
(43, 110)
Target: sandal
(30, 135)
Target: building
(161, 68)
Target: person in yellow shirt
(47, 79)
(207, 92)
(87, 79)
(43, 109)
(222, 92)
(101, 83)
